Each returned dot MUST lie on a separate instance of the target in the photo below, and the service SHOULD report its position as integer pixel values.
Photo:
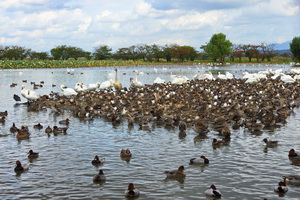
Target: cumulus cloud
(44, 24)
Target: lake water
(245, 169)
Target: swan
(80, 87)
(158, 80)
(135, 82)
(117, 85)
(176, 173)
(213, 191)
(100, 176)
(178, 79)
(32, 95)
(67, 91)
(106, 84)
(131, 191)
(23, 91)
(93, 86)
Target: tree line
(217, 49)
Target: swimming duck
(218, 142)
(98, 160)
(293, 153)
(100, 176)
(270, 143)
(201, 160)
(176, 173)
(3, 113)
(125, 153)
(281, 188)
(32, 154)
(48, 130)
(57, 130)
(20, 168)
(2, 119)
(38, 126)
(23, 133)
(213, 191)
(131, 191)
(292, 179)
(66, 121)
(13, 128)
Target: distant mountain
(283, 46)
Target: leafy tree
(218, 47)
(268, 51)
(123, 54)
(295, 48)
(14, 52)
(38, 55)
(64, 52)
(238, 52)
(157, 52)
(102, 52)
(169, 51)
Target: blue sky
(44, 24)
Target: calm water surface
(242, 170)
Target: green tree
(295, 48)
(218, 47)
(64, 52)
(14, 52)
(102, 52)
(38, 55)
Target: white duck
(67, 91)
(131, 191)
(213, 191)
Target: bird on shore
(67, 91)
(131, 191)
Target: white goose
(67, 91)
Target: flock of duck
(257, 101)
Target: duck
(23, 133)
(5, 113)
(66, 121)
(176, 173)
(67, 91)
(21, 168)
(100, 176)
(13, 128)
(32, 154)
(38, 126)
(2, 119)
(293, 153)
(125, 153)
(281, 188)
(218, 142)
(117, 85)
(212, 191)
(17, 98)
(131, 191)
(57, 130)
(48, 130)
(98, 160)
(270, 143)
(292, 179)
(201, 160)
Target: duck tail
(216, 193)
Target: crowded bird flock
(208, 102)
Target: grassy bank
(19, 64)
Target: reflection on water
(244, 169)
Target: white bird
(80, 87)
(178, 79)
(158, 80)
(106, 84)
(135, 82)
(67, 91)
(23, 91)
(32, 95)
(201, 160)
(93, 86)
